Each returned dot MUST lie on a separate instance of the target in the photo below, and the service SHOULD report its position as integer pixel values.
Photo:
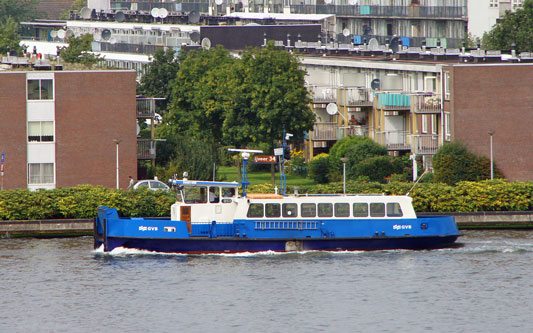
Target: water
(61, 285)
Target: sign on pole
(278, 151)
(264, 159)
(3, 158)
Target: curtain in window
(34, 131)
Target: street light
(117, 141)
(344, 160)
(491, 133)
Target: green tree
(9, 38)
(514, 28)
(76, 52)
(156, 82)
(18, 10)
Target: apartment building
(65, 128)
(483, 14)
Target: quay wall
(80, 227)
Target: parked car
(154, 185)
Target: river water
(62, 285)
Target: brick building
(57, 128)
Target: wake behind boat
(210, 217)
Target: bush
(318, 168)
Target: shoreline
(84, 227)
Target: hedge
(82, 201)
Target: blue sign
(3, 157)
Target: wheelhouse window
(377, 209)
(394, 209)
(40, 173)
(40, 131)
(360, 209)
(255, 210)
(272, 210)
(290, 210)
(325, 210)
(308, 209)
(40, 89)
(227, 194)
(196, 194)
(214, 194)
(342, 209)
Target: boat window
(255, 210)
(272, 210)
(325, 210)
(342, 209)
(195, 194)
(228, 192)
(308, 209)
(290, 210)
(214, 194)
(377, 209)
(394, 209)
(360, 209)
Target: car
(151, 184)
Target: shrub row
(82, 202)
(488, 195)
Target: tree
(514, 28)
(9, 38)
(161, 72)
(18, 10)
(77, 51)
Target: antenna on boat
(245, 153)
(286, 136)
(416, 183)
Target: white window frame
(424, 124)
(42, 179)
(41, 131)
(447, 86)
(434, 124)
(40, 90)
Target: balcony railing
(427, 103)
(357, 130)
(323, 94)
(393, 140)
(425, 144)
(383, 11)
(355, 96)
(146, 149)
(145, 107)
(327, 132)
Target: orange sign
(264, 159)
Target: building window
(40, 131)
(40, 89)
(447, 86)
(447, 126)
(424, 123)
(434, 124)
(41, 173)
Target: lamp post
(491, 133)
(344, 160)
(117, 141)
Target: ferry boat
(211, 217)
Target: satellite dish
(352, 2)
(120, 17)
(85, 13)
(194, 17)
(375, 84)
(106, 34)
(195, 36)
(219, 2)
(328, 2)
(61, 33)
(332, 109)
(69, 34)
(206, 43)
(373, 44)
(163, 13)
(53, 33)
(138, 129)
(394, 44)
(346, 32)
(155, 12)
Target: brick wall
(92, 109)
(498, 98)
(13, 128)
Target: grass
(260, 177)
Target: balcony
(425, 144)
(357, 130)
(451, 12)
(427, 103)
(394, 101)
(146, 149)
(323, 94)
(145, 107)
(326, 132)
(393, 140)
(355, 96)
